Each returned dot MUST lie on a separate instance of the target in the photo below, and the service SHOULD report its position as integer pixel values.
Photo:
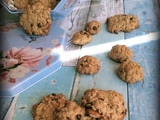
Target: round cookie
(36, 19)
(93, 27)
(44, 110)
(88, 65)
(120, 53)
(81, 38)
(130, 72)
(104, 105)
(71, 111)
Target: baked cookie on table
(104, 104)
(120, 53)
(36, 19)
(70, 111)
(48, 3)
(81, 38)
(21, 4)
(88, 65)
(130, 72)
(93, 27)
(122, 22)
(44, 110)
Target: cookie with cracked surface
(81, 38)
(20, 4)
(48, 3)
(122, 22)
(93, 27)
(44, 110)
(130, 72)
(120, 53)
(70, 111)
(36, 19)
(88, 65)
(104, 104)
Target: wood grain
(84, 12)
(143, 98)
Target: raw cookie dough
(130, 72)
(104, 104)
(120, 53)
(81, 38)
(93, 27)
(88, 65)
(122, 22)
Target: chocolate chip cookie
(120, 53)
(44, 110)
(36, 19)
(130, 72)
(70, 111)
(88, 65)
(104, 104)
(81, 38)
(93, 27)
(122, 22)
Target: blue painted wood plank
(4, 105)
(58, 82)
(148, 13)
(144, 98)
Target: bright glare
(101, 48)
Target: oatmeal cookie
(70, 111)
(88, 65)
(93, 27)
(122, 22)
(48, 3)
(20, 4)
(104, 104)
(36, 19)
(81, 38)
(44, 110)
(130, 72)
(120, 53)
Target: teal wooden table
(142, 99)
